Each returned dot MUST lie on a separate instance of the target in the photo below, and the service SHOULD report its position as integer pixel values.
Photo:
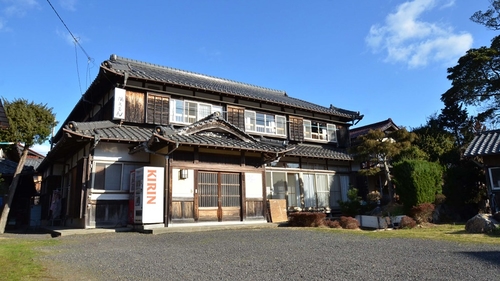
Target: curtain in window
(309, 194)
(322, 189)
(204, 110)
(293, 190)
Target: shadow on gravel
(490, 256)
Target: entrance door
(219, 196)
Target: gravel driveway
(266, 254)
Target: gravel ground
(266, 254)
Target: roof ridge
(114, 57)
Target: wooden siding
(183, 209)
(157, 109)
(134, 107)
(236, 116)
(296, 129)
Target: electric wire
(77, 43)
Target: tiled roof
(8, 167)
(142, 70)
(382, 125)
(107, 130)
(486, 143)
(214, 131)
(320, 151)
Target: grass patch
(443, 232)
(18, 259)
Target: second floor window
(183, 111)
(262, 123)
(320, 131)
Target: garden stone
(481, 223)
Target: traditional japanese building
(197, 147)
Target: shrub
(393, 209)
(349, 222)
(332, 224)
(422, 213)
(417, 181)
(306, 219)
(407, 222)
(352, 206)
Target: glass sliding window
(204, 110)
(260, 123)
(293, 185)
(309, 193)
(495, 177)
(319, 131)
(307, 129)
(323, 192)
(250, 121)
(107, 176)
(265, 123)
(332, 133)
(190, 111)
(280, 125)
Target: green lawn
(445, 232)
(18, 261)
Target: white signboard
(148, 202)
(119, 105)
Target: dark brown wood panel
(254, 209)
(236, 116)
(158, 109)
(134, 104)
(182, 210)
(296, 129)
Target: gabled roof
(213, 131)
(485, 143)
(141, 70)
(382, 126)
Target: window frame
(181, 111)
(496, 177)
(124, 180)
(264, 123)
(324, 132)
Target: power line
(74, 38)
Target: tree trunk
(12, 189)
(388, 178)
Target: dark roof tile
(485, 143)
(142, 70)
(320, 151)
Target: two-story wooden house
(222, 148)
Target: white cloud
(68, 4)
(14, 8)
(407, 39)
(18, 7)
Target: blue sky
(385, 58)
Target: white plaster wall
(253, 185)
(182, 187)
(118, 152)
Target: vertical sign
(152, 179)
(119, 105)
